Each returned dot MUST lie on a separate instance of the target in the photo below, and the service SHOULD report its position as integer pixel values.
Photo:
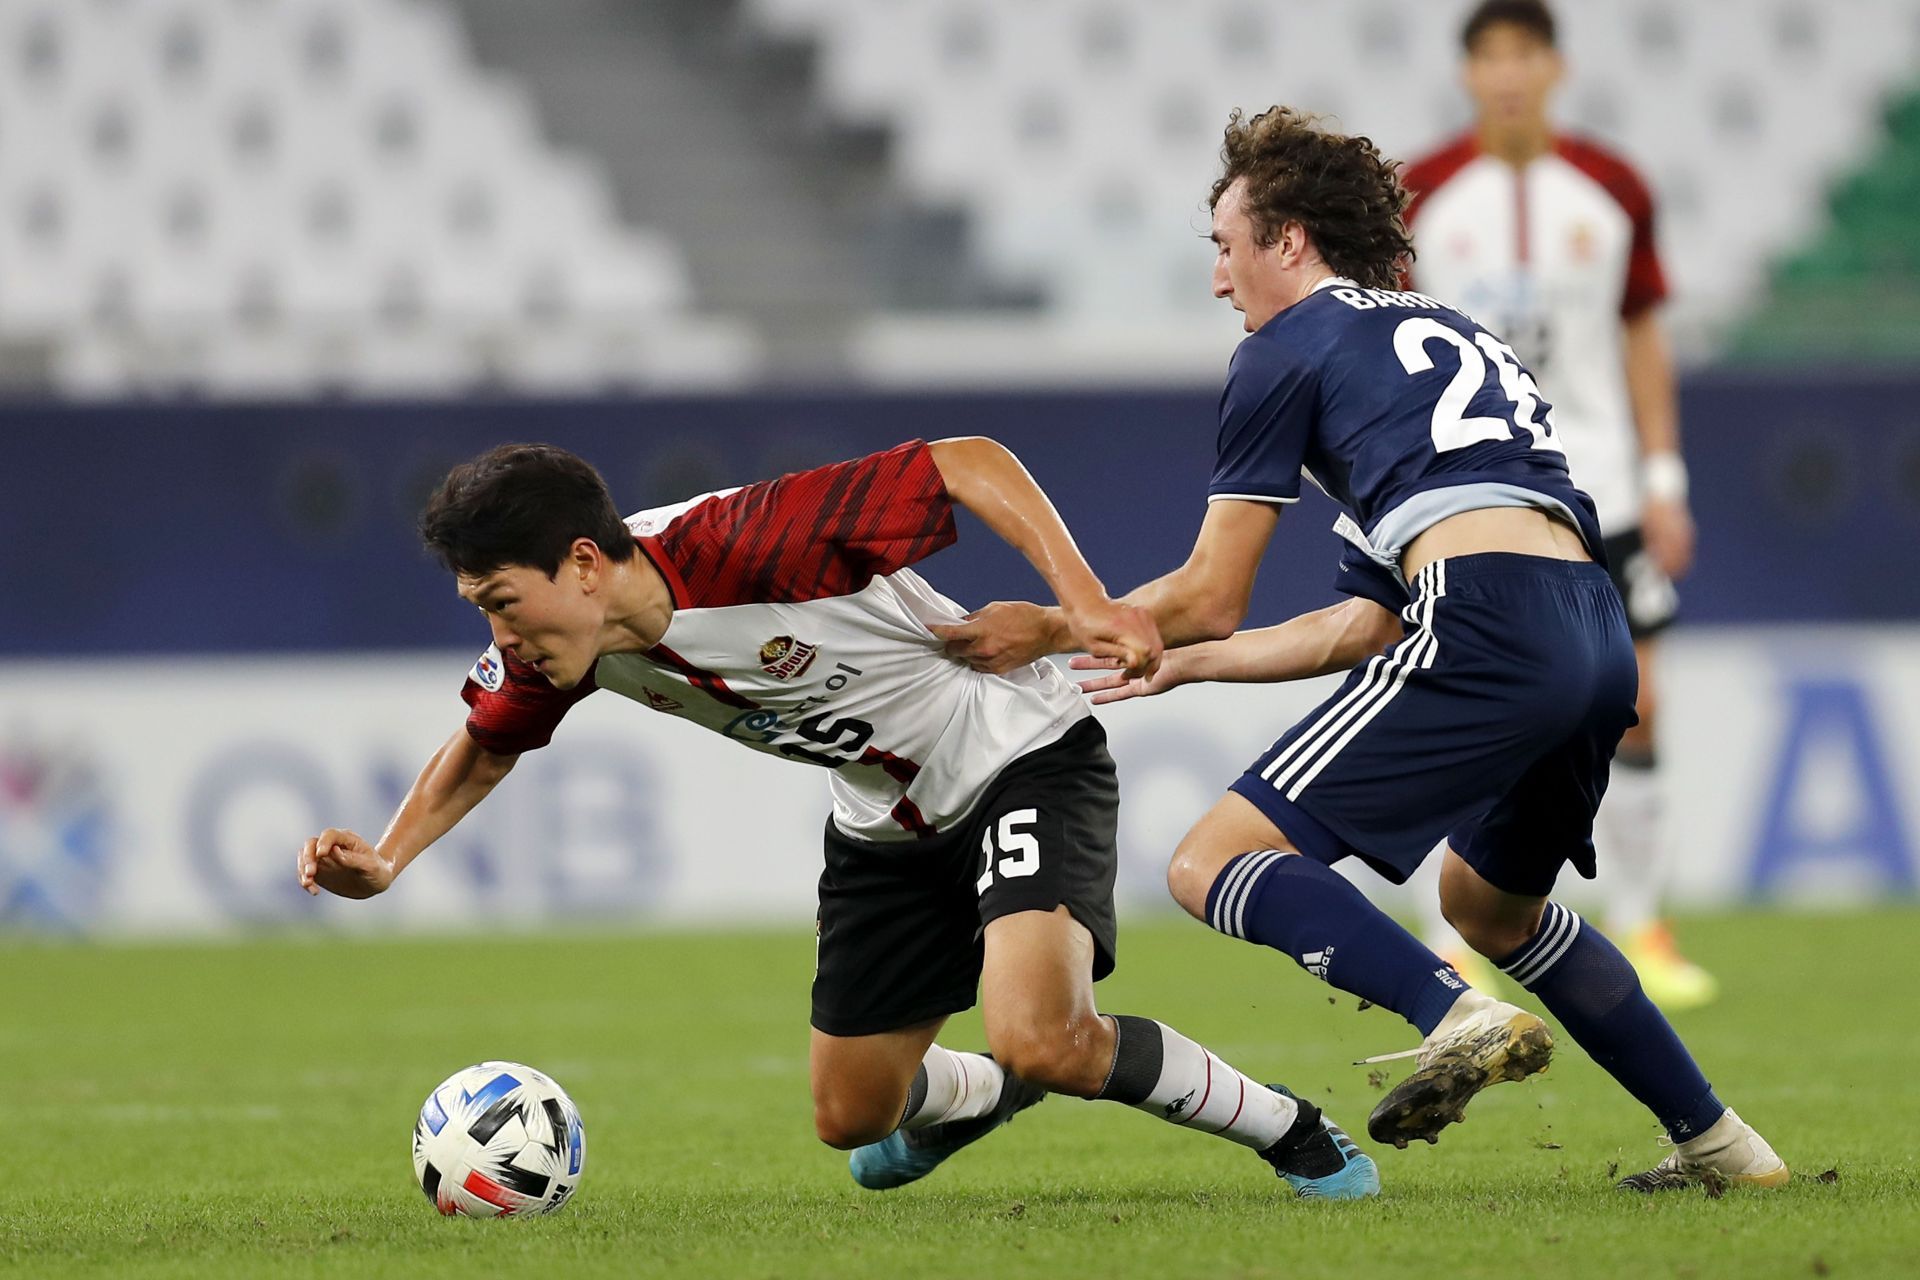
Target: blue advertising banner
(177, 528)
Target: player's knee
(1493, 936)
(1190, 875)
(1062, 1057)
(846, 1123)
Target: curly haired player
(1490, 669)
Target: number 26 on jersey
(1452, 427)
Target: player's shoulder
(654, 521)
(1608, 168)
(1289, 346)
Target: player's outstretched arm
(459, 776)
(985, 477)
(1206, 598)
(1313, 644)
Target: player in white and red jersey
(971, 846)
(1548, 240)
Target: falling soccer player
(971, 846)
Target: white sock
(1633, 849)
(952, 1086)
(1158, 1070)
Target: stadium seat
(189, 188)
(1096, 123)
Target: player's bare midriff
(1518, 530)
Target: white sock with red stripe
(1156, 1069)
(952, 1086)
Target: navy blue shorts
(1491, 723)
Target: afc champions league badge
(490, 672)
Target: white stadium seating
(274, 196)
(1083, 134)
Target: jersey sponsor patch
(784, 657)
(489, 672)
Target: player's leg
(1239, 873)
(1440, 937)
(1632, 821)
(864, 1087)
(894, 960)
(1043, 1025)
(1303, 908)
(1590, 987)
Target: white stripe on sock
(1552, 943)
(1552, 925)
(1223, 901)
(1237, 919)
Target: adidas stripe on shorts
(1491, 722)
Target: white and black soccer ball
(498, 1140)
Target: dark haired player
(1549, 239)
(1490, 669)
(971, 844)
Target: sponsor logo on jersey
(783, 657)
(660, 701)
(490, 672)
(1583, 243)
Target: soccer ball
(498, 1140)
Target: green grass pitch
(245, 1110)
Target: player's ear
(1293, 242)
(584, 561)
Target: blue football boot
(1318, 1160)
(908, 1155)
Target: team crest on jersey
(660, 701)
(1583, 244)
(783, 657)
(489, 672)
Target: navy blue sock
(1588, 985)
(1310, 911)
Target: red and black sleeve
(521, 709)
(809, 535)
(1645, 285)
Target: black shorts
(1648, 593)
(902, 924)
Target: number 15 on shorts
(1017, 851)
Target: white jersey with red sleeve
(1551, 257)
(799, 631)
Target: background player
(1507, 680)
(972, 838)
(1548, 240)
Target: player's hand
(343, 863)
(1118, 686)
(1003, 636)
(1123, 632)
(1666, 527)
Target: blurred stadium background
(267, 267)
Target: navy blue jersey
(1403, 410)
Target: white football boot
(1730, 1154)
(1481, 1041)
